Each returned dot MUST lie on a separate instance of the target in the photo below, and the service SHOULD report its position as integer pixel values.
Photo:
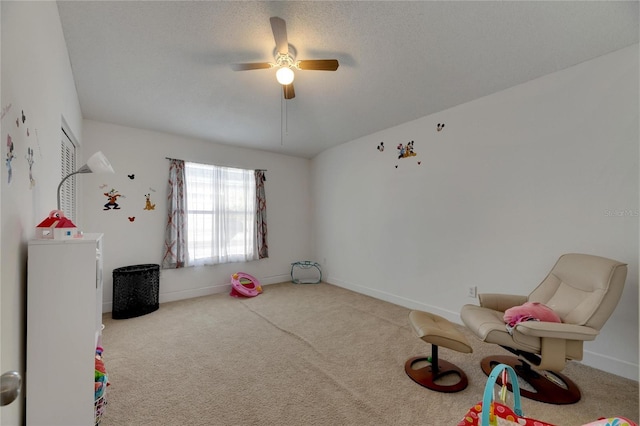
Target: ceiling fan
(285, 62)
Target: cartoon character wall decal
(30, 161)
(131, 218)
(405, 151)
(10, 157)
(381, 147)
(5, 110)
(24, 118)
(112, 197)
(440, 127)
(148, 205)
(132, 177)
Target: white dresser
(64, 321)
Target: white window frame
(238, 230)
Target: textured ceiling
(166, 66)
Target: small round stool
(439, 332)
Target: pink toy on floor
(246, 285)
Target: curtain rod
(233, 167)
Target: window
(221, 214)
(68, 166)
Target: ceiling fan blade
(279, 28)
(251, 66)
(288, 91)
(319, 64)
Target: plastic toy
(56, 226)
(244, 285)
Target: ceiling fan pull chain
(284, 120)
(282, 106)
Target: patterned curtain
(261, 216)
(175, 247)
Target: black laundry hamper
(136, 290)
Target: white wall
(142, 153)
(36, 79)
(513, 180)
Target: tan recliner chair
(583, 290)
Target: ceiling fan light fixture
(285, 76)
(285, 62)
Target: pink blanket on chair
(530, 311)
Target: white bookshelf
(64, 321)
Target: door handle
(10, 384)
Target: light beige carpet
(304, 354)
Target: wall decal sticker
(5, 110)
(112, 197)
(419, 162)
(132, 177)
(132, 218)
(23, 117)
(10, 157)
(30, 161)
(440, 126)
(406, 151)
(148, 205)
(381, 147)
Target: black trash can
(135, 290)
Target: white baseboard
(398, 300)
(592, 359)
(275, 279)
(611, 365)
(173, 296)
(196, 292)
